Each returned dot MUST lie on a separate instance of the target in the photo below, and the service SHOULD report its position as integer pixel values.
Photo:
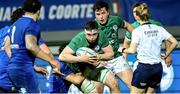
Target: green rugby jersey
(80, 41)
(110, 29)
(136, 24)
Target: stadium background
(62, 19)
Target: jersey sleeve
(32, 30)
(135, 36)
(120, 22)
(165, 34)
(74, 44)
(128, 35)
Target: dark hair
(100, 4)
(90, 25)
(31, 6)
(17, 14)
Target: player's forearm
(126, 44)
(106, 56)
(170, 48)
(129, 51)
(108, 53)
(45, 48)
(128, 26)
(7, 46)
(31, 45)
(69, 58)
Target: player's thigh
(121, 65)
(99, 86)
(135, 90)
(106, 77)
(150, 90)
(126, 76)
(24, 78)
(75, 78)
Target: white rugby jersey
(149, 38)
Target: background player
(5, 83)
(24, 49)
(110, 25)
(146, 41)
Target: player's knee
(77, 79)
(103, 76)
(88, 87)
(111, 81)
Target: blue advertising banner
(170, 82)
(164, 11)
(55, 14)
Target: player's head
(17, 14)
(32, 6)
(91, 31)
(101, 9)
(141, 12)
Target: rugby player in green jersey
(87, 65)
(110, 25)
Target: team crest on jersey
(97, 48)
(115, 27)
(113, 35)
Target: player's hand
(88, 59)
(41, 70)
(55, 64)
(94, 59)
(56, 71)
(168, 60)
(94, 63)
(104, 63)
(84, 57)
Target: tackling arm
(31, 44)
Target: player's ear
(108, 12)
(38, 12)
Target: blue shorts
(64, 69)
(5, 83)
(23, 77)
(147, 75)
(58, 83)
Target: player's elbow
(111, 55)
(175, 42)
(132, 51)
(29, 46)
(62, 57)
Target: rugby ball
(86, 50)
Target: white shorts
(117, 65)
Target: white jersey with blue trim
(149, 38)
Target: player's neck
(30, 15)
(143, 22)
